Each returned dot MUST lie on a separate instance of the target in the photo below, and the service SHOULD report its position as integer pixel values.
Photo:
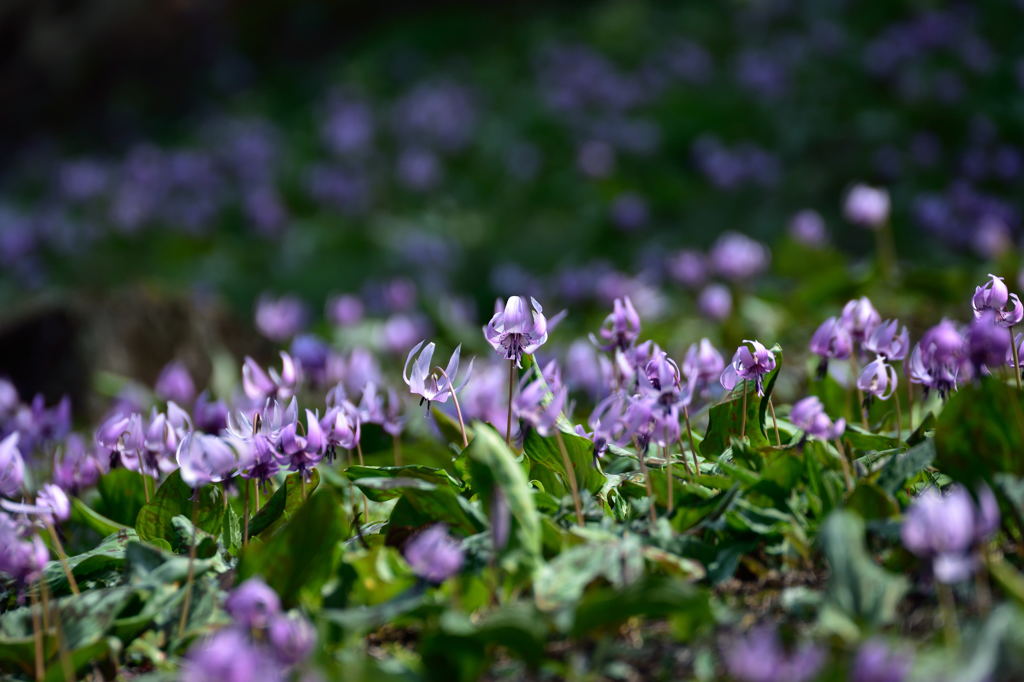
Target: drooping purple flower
(384, 409)
(876, 661)
(428, 382)
(748, 364)
(12, 466)
(586, 369)
(261, 385)
(22, 559)
(291, 638)
(74, 468)
(831, 341)
(279, 319)
(253, 604)
(738, 257)
(888, 340)
(993, 296)
(206, 459)
(51, 505)
(312, 354)
(809, 416)
(229, 656)
(987, 343)
(878, 379)
(715, 302)
(341, 426)
(622, 327)
(539, 402)
(808, 228)
(175, 383)
(867, 206)
(210, 416)
(515, 330)
(300, 453)
(703, 363)
(759, 656)
(859, 318)
(433, 555)
(947, 528)
(345, 310)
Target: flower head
(736, 256)
(878, 379)
(859, 318)
(515, 329)
(987, 343)
(291, 637)
(229, 656)
(622, 327)
(831, 341)
(205, 459)
(993, 296)
(748, 364)
(279, 319)
(175, 383)
(702, 364)
(760, 657)
(540, 401)
(12, 467)
(260, 385)
(253, 604)
(809, 416)
(428, 382)
(434, 555)
(888, 340)
(867, 206)
(876, 661)
(715, 302)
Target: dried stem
(458, 410)
(693, 444)
(570, 471)
(775, 422)
(62, 555)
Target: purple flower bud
(433, 555)
(292, 638)
(175, 383)
(877, 662)
(888, 341)
(993, 296)
(808, 228)
(987, 343)
(738, 257)
(280, 319)
(832, 341)
(867, 206)
(12, 467)
(514, 330)
(715, 302)
(859, 318)
(345, 310)
(947, 528)
(428, 382)
(622, 327)
(205, 459)
(253, 604)
(878, 379)
(809, 416)
(749, 364)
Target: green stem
(570, 472)
(187, 602)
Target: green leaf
(299, 557)
(174, 498)
(651, 597)
(906, 465)
(105, 557)
(386, 483)
(545, 452)
(725, 420)
(448, 427)
(861, 596)
(871, 502)
(980, 432)
(83, 514)
(282, 504)
(122, 495)
(493, 468)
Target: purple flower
(342, 426)
(514, 330)
(12, 467)
(715, 302)
(205, 459)
(586, 369)
(229, 656)
(888, 341)
(703, 363)
(993, 296)
(760, 657)
(688, 267)
(433, 555)
(292, 638)
(540, 402)
(9, 400)
(74, 468)
(748, 364)
(51, 505)
(210, 416)
(260, 385)
(878, 379)
(808, 228)
(175, 383)
(253, 604)
(867, 206)
(738, 257)
(312, 354)
(418, 169)
(859, 318)
(809, 416)
(622, 327)
(429, 383)
(345, 310)
(876, 661)
(384, 409)
(281, 318)
(987, 343)
(629, 212)
(23, 560)
(301, 453)
(947, 529)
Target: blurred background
(196, 181)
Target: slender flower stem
(458, 410)
(570, 472)
(947, 606)
(359, 451)
(62, 555)
(145, 486)
(54, 610)
(245, 514)
(256, 490)
(775, 422)
(302, 483)
(37, 634)
(693, 444)
(396, 448)
(511, 390)
(899, 416)
(847, 468)
(855, 371)
(743, 423)
(187, 602)
(666, 453)
(647, 482)
(910, 407)
(1016, 358)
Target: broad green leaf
(385, 483)
(906, 465)
(122, 495)
(545, 451)
(174, 498)
(980, 432)
(282, 504)
(106, 557)
(83, 514)
(871, 502)
(653, 597)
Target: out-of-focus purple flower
(888, 340)
(867, 206)
(702, 365)
(809, 416)
(260, 385)
(586, 369)
(399, 294)
(418, 169)
(229, 656)
(401, 330)
(485, 398)
(345, 310)
(442, 114)
(831, 341)
(210, 416)
(433, 555)
(342, 426)
(348, 126)
(51, 505)
(74, 468)
(808, 228)
(312, 354)
(533, 405)
(429, 383)
(279, 319)
(715, 302)
(384, 409)
(749, 364)
(292, 638)
(860, 318)
(9, 400)
(630, 212)
(688, 267)
(515, 330)
(993, 296)
(937, 361)
(22, 559)
(175, 383)
(987, 343)
(596, 159)
(622, 326)
(947, 529)
(760, 657)
(878, 379)
(992, 238)
(12, 466)
(253, 604)
(205, 459)
(876, 661)
(301, 453)
(736, 256)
